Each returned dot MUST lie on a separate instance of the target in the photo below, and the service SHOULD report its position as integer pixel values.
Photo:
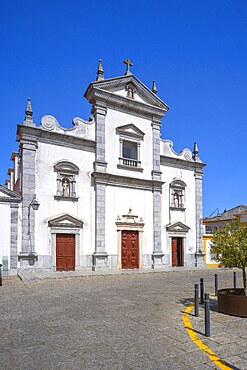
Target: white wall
(119, 201)
(115, 119)
(5, 222)
(187, 217)
(46, 186)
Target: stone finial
(128, 65)
(29, 111)
(154, 88)
(100, 72)
(28, 120)
(195, 151)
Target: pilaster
(28, 154)
(156, 125)
(156, 175)
(100, 255)
(198, 206)
(99, 112)
(14, 208)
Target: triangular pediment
(127, 87)
(177, 227)
(130, 130)
(65, 221)
(7, 195)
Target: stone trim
(28, 178)
(35, 133)
(99, 111)
(99, 258)
(122, 81)
(198, 215)
(71, 222)
(177, 227)
(14, 208)
(132, 223)
(65, 230)
(177, 208)
(180, 163)
(136, 134)
(11, 196)
(129, 168)
(114, 100)
(157, 252)
(64, 199)
(128, 182)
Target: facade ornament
(154, 88)
(195, 151)
(130, 91)
(128, 65)
(100, 72)
(29, 111)
(28, 120)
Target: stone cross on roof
(128, 65)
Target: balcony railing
(173, 205)
(129, 162)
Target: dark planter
(232, 302)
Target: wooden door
(177, 252)
(130, 250)
(174, 252)
(65, 252)
(180, 257)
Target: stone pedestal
(99, 260)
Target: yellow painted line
(213, 357)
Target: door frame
(138, 240)
(129, 222)
(74, 249)
(65, 224)
(182, 250)
(54, 233)
(140, 246)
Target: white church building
(108, 192)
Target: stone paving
(123, 321)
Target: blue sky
(196, 51)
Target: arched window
(66, 180)
(177, 191)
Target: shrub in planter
(229, 247)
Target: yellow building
(211, 224)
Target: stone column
(99, 111)
(156, 175)
(14, 208)
(99, 256)
(28, 255)
(198, 206)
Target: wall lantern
(35, 206)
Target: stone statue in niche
(176, 200)
(65, 188)
(130, 91)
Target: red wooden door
(177, 252)
(180, 257)
(130, 250)
(174, 252)
(65, 252)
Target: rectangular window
(129, 150)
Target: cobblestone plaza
(123, 321)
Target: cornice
(127, 182)
(11, 196)
(182, 164)
(36, 134)
(114, 100)
(143, 90)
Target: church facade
(108, 192)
